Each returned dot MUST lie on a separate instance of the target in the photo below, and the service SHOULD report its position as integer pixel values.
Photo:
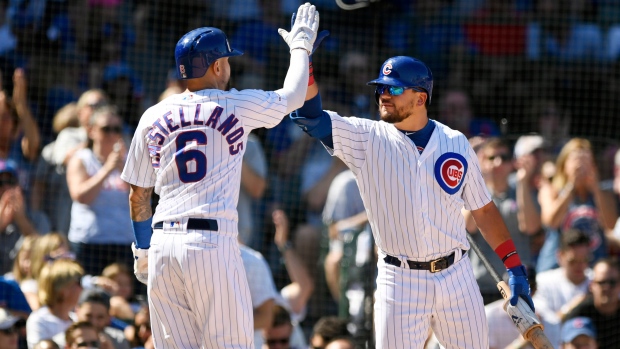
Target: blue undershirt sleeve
(314, 121)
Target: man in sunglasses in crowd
(415, 175)
(602, 305)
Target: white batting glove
(303, 32)
(140, 263)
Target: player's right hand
(303, 33)
(140, 263)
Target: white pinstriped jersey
(190, 147)
(413, 200)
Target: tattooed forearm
(140, 203)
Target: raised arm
(300, 40)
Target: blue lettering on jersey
(450, 170)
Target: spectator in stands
(573, 199)
(59, 291)
(603, 304)
(14, 221)
(326, 330)
(496, 164)
(8, 332)
(139, 333)
(529, 155)
(123, 304)
(253, 186)
(83, 335)
(278, 335)
(552, 122)
(47, 248)
(94, 307)
(12, 299)
(50, 191)
(293, 297)
(100, 231)
(22, 265)
(578, 333)
(71, 139)
(455, 111)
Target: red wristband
(508, 253)
(310, 74)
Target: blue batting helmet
(199, 48)
(406, 71)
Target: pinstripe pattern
(210, 311)
(416, 215)
(190, 148)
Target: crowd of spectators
(532, 83)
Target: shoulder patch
(450, 169)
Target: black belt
(432, 266)
(195, 223)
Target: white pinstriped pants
(410, 302)
(198, 292)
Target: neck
(414, 122)
(208, 81)
(61, 311)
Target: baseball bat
(522, 315)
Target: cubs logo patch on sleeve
(450, 170)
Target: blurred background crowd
(532, 83)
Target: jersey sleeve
(475, 192)
(259, 108)
(138, 169)
(350, 136)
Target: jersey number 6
(182, 156)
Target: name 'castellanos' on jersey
(199, 179)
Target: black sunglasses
(504, 157)
(610, 282)
(9, 331)
(111, 129)
(11, 181)
(277, 341)
(88, 344)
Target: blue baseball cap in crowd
(575, 327)
(8, 166)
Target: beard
(398, 115)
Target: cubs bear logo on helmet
(450, 170)
(406, 71)
(198, 49)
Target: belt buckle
(434, 267)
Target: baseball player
(415, 174)
(189, 149)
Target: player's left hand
(140, 263)
(519, 286)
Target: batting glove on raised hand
(303, 32)
(519, 286)
(140, 263)
(319, 38)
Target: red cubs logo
(387, 69)
(450, 170)
(182, 70)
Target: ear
(217, 69)
(422, 99)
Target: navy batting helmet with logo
(406, 71)
(199, 48)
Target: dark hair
(573, 237)
(95, 295)
(280, 316)
(330, 328)
(495, 142)
(80, 325)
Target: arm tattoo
(140, 203)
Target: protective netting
(502, 68)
